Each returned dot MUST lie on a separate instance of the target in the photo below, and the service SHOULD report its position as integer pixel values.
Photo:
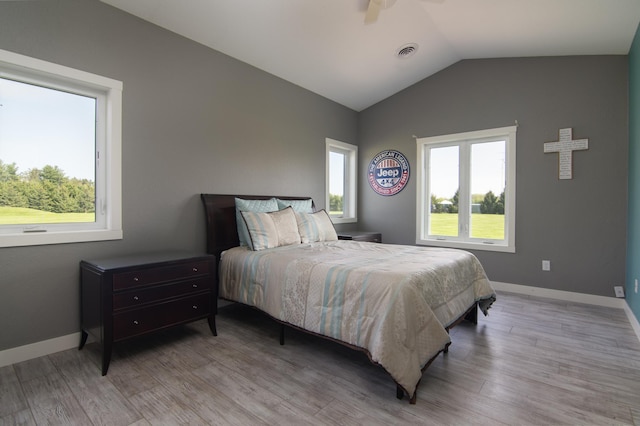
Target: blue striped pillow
(274, 229)
(315, 227)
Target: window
(60, 154)
(466, 190)
(341, 194)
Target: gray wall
(579, 224)
(194, 120)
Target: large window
(341, 195)
(466, 190)
(60, 154)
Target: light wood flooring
(531, 361)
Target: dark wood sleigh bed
(222, 235)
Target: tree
(37, 195)
(53, 174)
(436, 207)
(47, 189)
(85, 195)
(500, 204)
(335, 203)
(11, 194)
(454, 200)
(488, 205)
(8, 172)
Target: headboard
(220, 212)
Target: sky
(40, 126)
(336, 179)
(487, 165)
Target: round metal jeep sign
(388, 172)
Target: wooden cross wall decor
(565, 147)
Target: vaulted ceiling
(326, 47)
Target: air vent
(407, 50)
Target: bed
(396, 303)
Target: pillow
(243, 205)
(315, 227)
(269, 230)
(297, 205)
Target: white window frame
(423, 211)
(108, 92)
(350, 200)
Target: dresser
(373, 237)
(129, 296)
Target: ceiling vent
(407, 50)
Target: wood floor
(531, 361)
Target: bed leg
(399, 392)
(446, 348)
(473, 315)
(281, 334)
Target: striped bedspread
(394, 301)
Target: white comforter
(394, 301)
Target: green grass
(23, 216)
(490, 226)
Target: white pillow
(274, 229)
(315, 227)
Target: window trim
(422, 204)
(109, 162)
(350, 201)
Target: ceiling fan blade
(372, 11)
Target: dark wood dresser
(133, 295)
(373, 237)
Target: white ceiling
(325, 47)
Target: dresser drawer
(132, 323)
(143, 296)
(140, 277)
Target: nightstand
(129, 296)
(372, 237)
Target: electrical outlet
(619, 291)
(546, 265)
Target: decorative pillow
(297, 205)
(243, 205)
(274, 229)
(316, 227)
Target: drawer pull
(136, 298)
(135, 322)
(195, 306)
(135, 279)
(195, 269)
(194, 285)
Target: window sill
(336, 220)
(44, 238)
(465, 245)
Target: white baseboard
(38, 349)
(62, 343)
(591, 299)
